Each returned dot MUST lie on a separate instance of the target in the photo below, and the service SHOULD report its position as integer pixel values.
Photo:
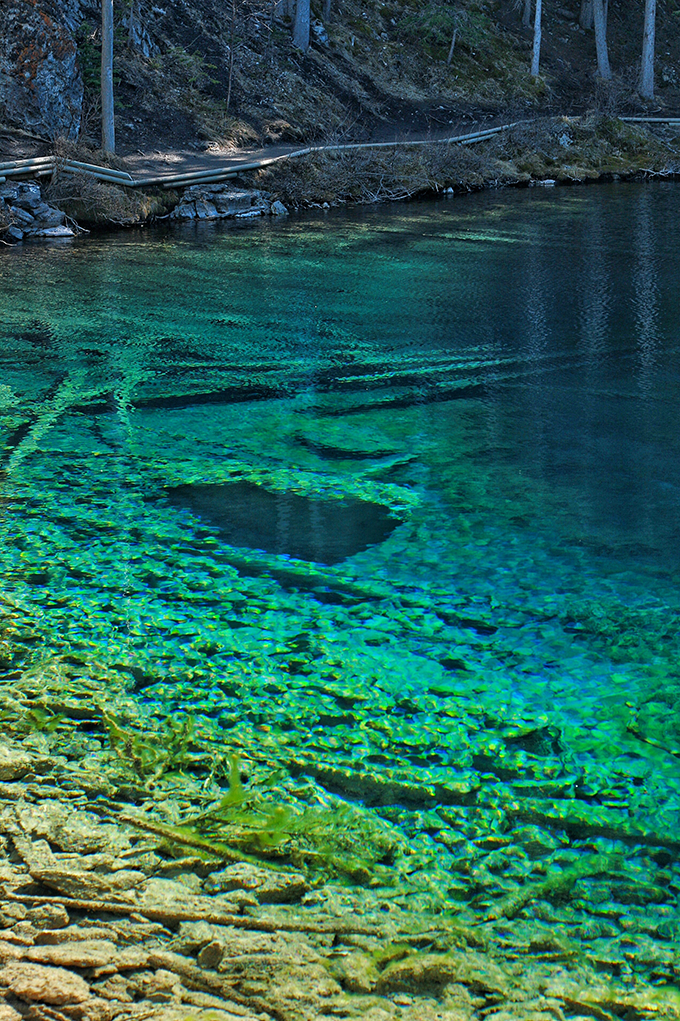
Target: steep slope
(373, 69)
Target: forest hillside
(201, 73)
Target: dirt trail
(175, 160)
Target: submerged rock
(270, 887)
(46, 985)
(324, 531)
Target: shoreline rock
(222, 202)
(28, 215)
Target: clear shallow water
(500, 373)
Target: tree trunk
(108, 131)
(232, 45)
(586, 16)
(600, 19)
(647, 70)
(536, 54)
(526, 14)
(301, 25)
(452, 46)
(135, 27)
(326, 13)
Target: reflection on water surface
(395, 492)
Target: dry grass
(568, 149)
(67, 149)
(92, 202)
(5, 221)
(380, 175)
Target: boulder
(23, 218)
(54, 232)
(219, 201)
(28, 196)
(205, 210)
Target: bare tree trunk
(132, 23)
(232, 43)
(586, 16)
(536, 54)
(452, 46)
(301, 25)
(600, 19)
(326, 13)
(273, 4)
(526, 14)
(108, 130)
(648, 38)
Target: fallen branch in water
(172, 914)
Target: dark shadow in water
(324, 531)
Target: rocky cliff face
(41, 87)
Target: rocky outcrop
(26, 214)
(41, 88)
(223, 201)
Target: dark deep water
(452, 434)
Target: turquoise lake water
(399, 488)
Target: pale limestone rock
(88, 885)
(132, 958)
(10, 951)
(34, 982)
(96, 1008)
(172, 896)
(161, 986)
(270, 887)
(51, 937)
(211, 954)
(230, 1012)
(205, 210)
(422, 971)
(194, 935)
(93, 953)
(49, 916)
(70, 830)
(37, 854)
(356, 972)
(8, 1013)
(13, 763)
(211, 201)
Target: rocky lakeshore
(159, 873)
(547, 151)
(25, 214)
